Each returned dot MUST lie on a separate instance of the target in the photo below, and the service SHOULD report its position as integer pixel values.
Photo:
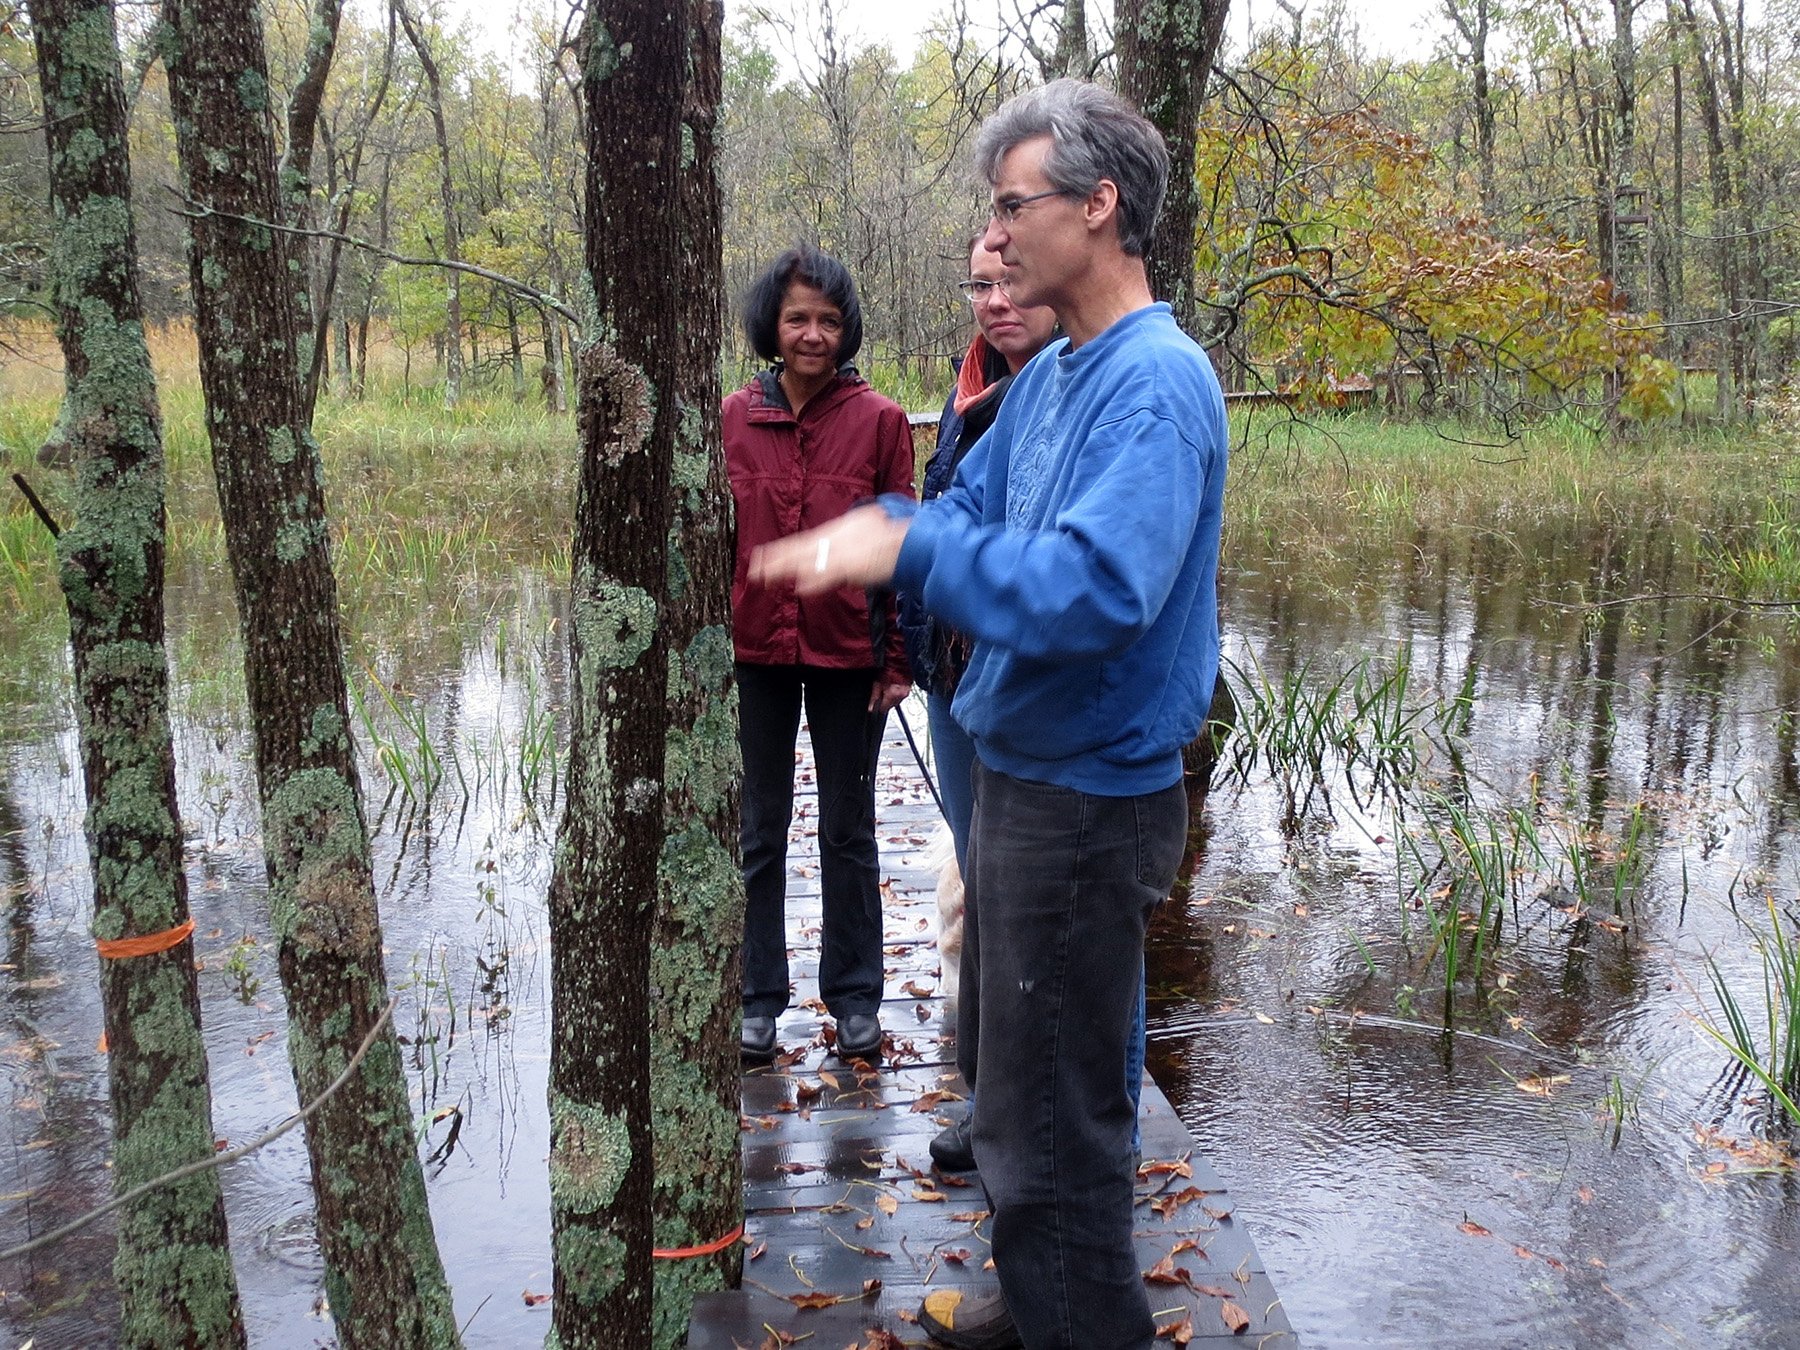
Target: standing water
(1481, 871)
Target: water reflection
(1522, 1157)
(1533, 1174)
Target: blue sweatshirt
(1079, 547)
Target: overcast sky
(1393, 27)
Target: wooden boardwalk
(849, 1226)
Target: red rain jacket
(788, 474)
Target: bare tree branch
(217, 1160)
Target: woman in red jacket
(804, 441)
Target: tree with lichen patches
(173, 1265)
(633, 56)
(695, 955)
(1166, 50)
(383, 1275)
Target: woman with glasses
(1006, 337)
(805, 441)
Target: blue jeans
(1064, 882)
(952, 760)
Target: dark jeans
(1064, 882)
(846, 739)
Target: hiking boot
(969, 1321)
(954, 1148)
(859, 1036)
(757, 1042)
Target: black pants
(1061, 885)
(846, 738)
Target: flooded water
(1546, 1149)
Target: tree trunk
(434, 103)
(383, 1276)
(556, 400)
(633, 56)
(517, 346)
(295, 178)
(697, 948)
(173, 1265)
(1166, 50)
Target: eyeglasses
(978, 292)
(1007, 209)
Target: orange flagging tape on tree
(116, 949)
(679, 1253)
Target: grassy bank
(424, 500)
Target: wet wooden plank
(843, 1205)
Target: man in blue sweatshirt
(1079, 548)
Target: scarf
(972, 380)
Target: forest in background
(1552, 205)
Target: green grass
(1769, 1053)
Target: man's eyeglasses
(981, 292)
(1007, 209)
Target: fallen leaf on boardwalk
(1214, 1212)
(758, 1250)
(906, 1315)
(808, 1092)
(887, 1204)
(988, 1264)
(917, 990)
(956, 1255)
(1168, 1204)
(828, 1078)
(922, 1012)
(1166, 1271)
(865, 1224)
(1235, 1317)
(1210, 1290)
(969, 1216)
(887, 890)
(872, 1286)
(1473, 1229)
(942, 1305)
(1178, 1167)
(931, 1100)
(1542, 1087)
(794, 1169)
(879, 1338)
(1187, 1245)
(959, 1182)
(815, 1300)
(1265, 1019)
(1179, 1332)
(929, 1197)
(533, 1300)
(777, 1338)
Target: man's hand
(859, 548)
(888, 694)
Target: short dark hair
(1094, 134)
(806, 264)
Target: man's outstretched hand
(859, 548)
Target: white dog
(941, 854)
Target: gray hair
(1094, 134)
